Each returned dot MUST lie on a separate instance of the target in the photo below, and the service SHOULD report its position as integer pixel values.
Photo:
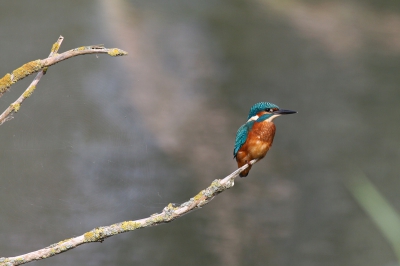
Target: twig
(14, 107)
(42, 65)
(99, 234)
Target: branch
(42, 65)
(99, 234)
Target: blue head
(264, 110)
(262, 107)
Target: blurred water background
(103, 140)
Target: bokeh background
(103, 140)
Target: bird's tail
(245, 172)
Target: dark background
(103, 140)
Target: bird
(255, 137)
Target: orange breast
(258, 142)
(260, 139)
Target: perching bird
(254, 138)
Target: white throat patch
(272, 117)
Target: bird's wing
(241, 136)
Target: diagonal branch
(99, 234)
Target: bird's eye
(269, 110)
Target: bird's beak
(285, 112)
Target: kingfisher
(255, 137)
